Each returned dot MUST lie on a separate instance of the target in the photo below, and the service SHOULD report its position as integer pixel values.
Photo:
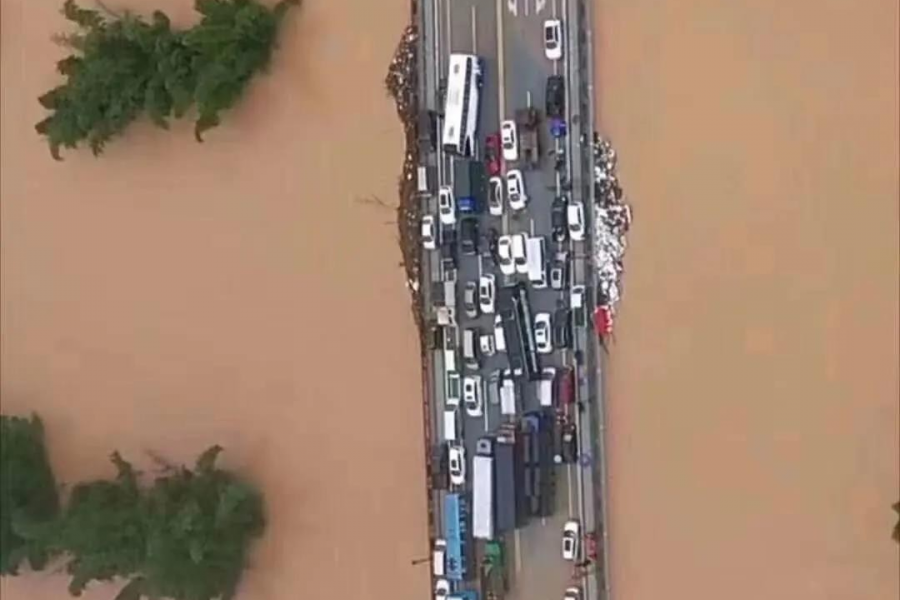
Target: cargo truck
(483, 491)
(505, 484)
(528, 121)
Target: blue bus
(455, 516)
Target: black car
(493, 240)
(566, 444)
(558, 220)
(448, 248)
(556, 96)
(468, 229)
(562, 328)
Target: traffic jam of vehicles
(503, 315)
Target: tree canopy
(124, 66)
(28, 494)
(184, 537)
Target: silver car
(495, 198)
(472, 395)
(515, 190)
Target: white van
(450, 344)
(508, 394)
(453, 392)
(537, 266)
(439, 557)
(451, 424)
(545, 386)
(470, 349)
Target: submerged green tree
(124, 66)
(28, 493)
(186, 537)
(896, 534)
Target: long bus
(455, 517)
(461, 108)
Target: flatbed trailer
(528, 121)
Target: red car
(565, 386)
(492, 154)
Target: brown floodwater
(172, 295)
(753, 387)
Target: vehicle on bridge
(528, 120)
(464, 80)
(483, 490)
(456, 517)
(555, 97)
(505, 478)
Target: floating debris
(401, 83)
(610, 229)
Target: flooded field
(753, 387)
(171, 295)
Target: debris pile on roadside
(611, 226)
(401, 84)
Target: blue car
(467, 205)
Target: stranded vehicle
(528, 120)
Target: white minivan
(536, 265)
(545, 386)
(438, 557)
(470, 349)
(451, 425)
(508, 394)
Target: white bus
(461, 108)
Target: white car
(553, 46)
(429, 237)
(571, 540)
(576, 299)
(519, 254)
(446, 205)
(486, 293)
(515, 190)
(505, 254)
(509, 140)
(575, 216)
(495, 198)
(557, 276)
(486, 342)
(472, 395)
(470, 299)
(499, 334)
(572, 593)
(457, 464)
(442, 589)
(543, 333)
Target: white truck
(537, 265)
(483, 491)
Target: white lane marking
(528, 99)
(553, 9)
(480, 267)
(531, 227)
(449, 48)
(517, 538)
(474, 33)
(502, 82)
(513, 6)
(526, 8)
(569, 483)
(539, 5)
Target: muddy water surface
(754, 384)
(171, 295)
